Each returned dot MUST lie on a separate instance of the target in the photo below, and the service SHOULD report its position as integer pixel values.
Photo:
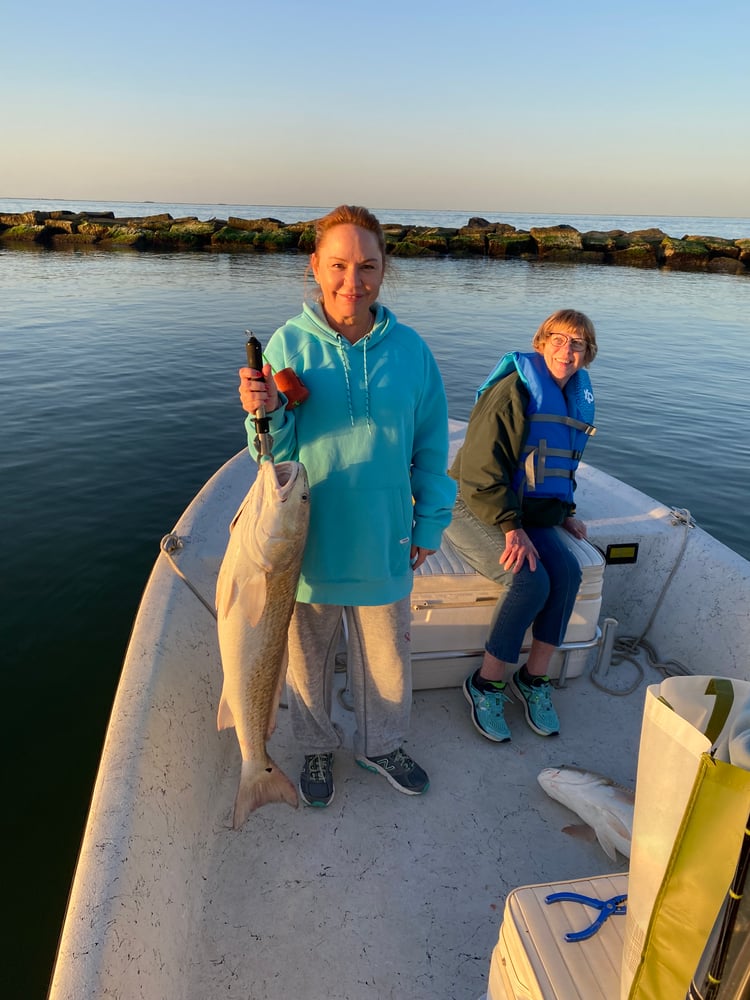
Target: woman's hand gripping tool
(263, 440)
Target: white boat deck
(385, 895)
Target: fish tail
(258, 786)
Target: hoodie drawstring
(345, 365)
(367, 383)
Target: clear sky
(584, 106)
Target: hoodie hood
(313, 321)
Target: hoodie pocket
(358, 535)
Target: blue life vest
(560, 423)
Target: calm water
(119, 398)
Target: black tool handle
(254, 353)
(255, 360)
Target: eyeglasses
(560, 340)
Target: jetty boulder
(601, 242)
(716, 246)
(557, 242)
(684, 255)
(640, 248)
(744, 248)
(725, 265)
(507, 241)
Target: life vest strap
(556, 418)
(535, 464)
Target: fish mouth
(286, 475)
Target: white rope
(173, 543)
(633, 649)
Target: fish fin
(581, 831)
(226, 592)
(252, 594)
(258, 786)
(620, 828)
(224, 718)
(605, 842)
(618, 835)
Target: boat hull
(380, 894)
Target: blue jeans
(544, 597)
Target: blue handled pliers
(607, 907)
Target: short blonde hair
(572, 323)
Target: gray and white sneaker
(316, 781)
(399, 769)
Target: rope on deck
(173, 543)
(632, 648)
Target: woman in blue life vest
(516, 478)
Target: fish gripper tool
(607, 908)
(263, 440)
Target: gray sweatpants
(379, 666)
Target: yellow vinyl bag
(691, 810)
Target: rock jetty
(648, 248)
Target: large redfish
(255, 594)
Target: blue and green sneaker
(536, 699)
(487, 709)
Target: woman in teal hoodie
(373, 437)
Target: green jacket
(487, 461)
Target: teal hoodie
(373, 437)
